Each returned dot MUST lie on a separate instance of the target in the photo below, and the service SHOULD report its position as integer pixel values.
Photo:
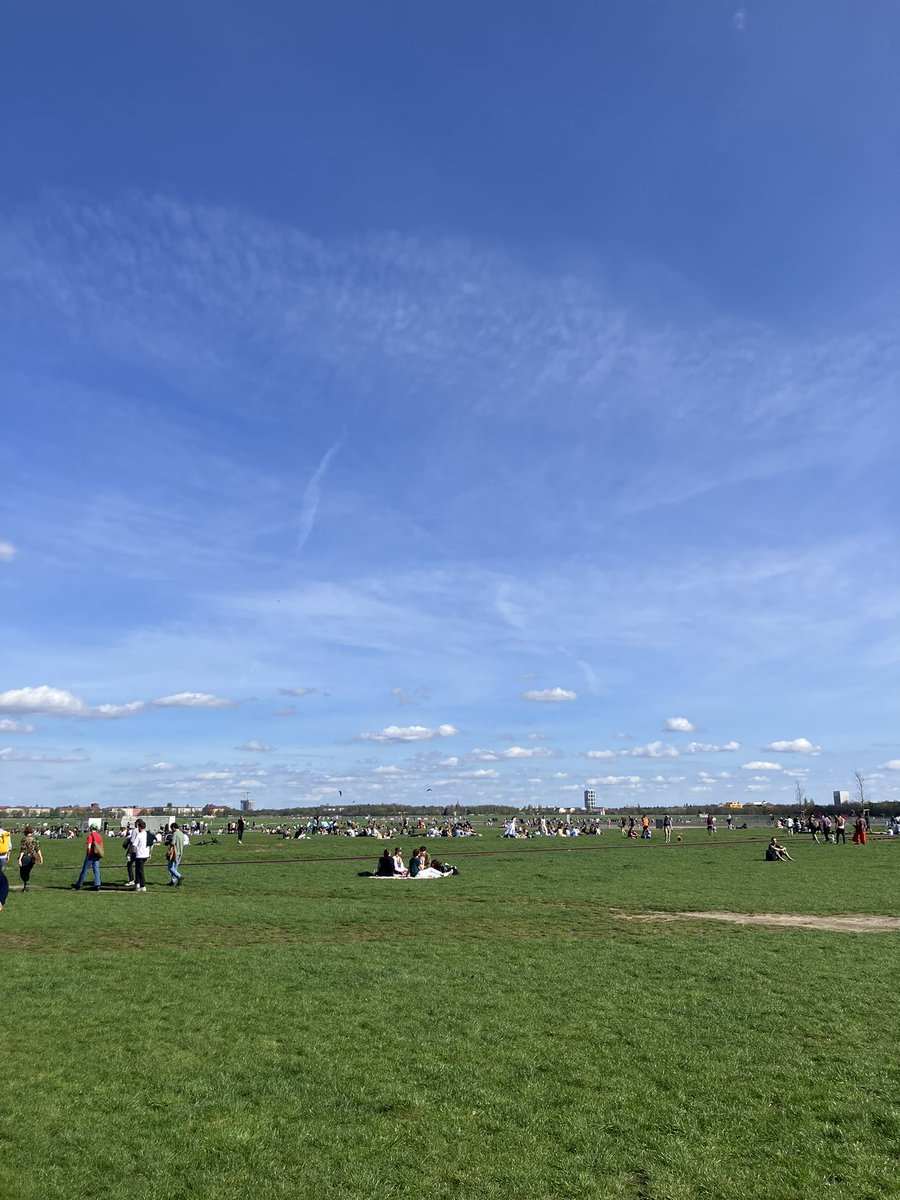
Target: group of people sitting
(421, 865)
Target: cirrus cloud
(192, 700)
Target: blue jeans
(90, 862)
(4, 882)
(172, 867)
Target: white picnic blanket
(425, 873)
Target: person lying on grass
(776, 853)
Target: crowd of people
(138, 841)
(386, 829)
(822, 827)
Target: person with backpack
(93, 852)
(29, 855)
(5, 851)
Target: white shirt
(139, 843)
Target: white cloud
(709, 748)
(298, 691)
(614, 780)
(484, 755)
(113, 712)
(47, 701)
(796, 746)
(678, 725)
(191, 700)
(449, 762)
(603, 753)
(892, 764)
(409, 733)
(160, 766)
(481, 773)
(255, 747)
(387, 771)
(10, 755)
(653, 750)
(527, 752)
(555, 695)
(8, 726)
(7, 552)
(246, 784)
(761, 766)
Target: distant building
(841, 799)
(246, 805)
(590, 799)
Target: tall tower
(590, 799)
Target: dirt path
(855, 923)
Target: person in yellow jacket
(5, 851)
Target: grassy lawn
(288, 1029)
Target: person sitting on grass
(776, 853)
(415, 864)
(385, 864)
(399, 865)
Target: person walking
(29, 855)
(5, 851)
(840, 829)
(859, 830)
(240, 831)
(141, 850)
(93, 852)
(174, 854)
(667, 828)
(129, 856)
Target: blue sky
(413, 396)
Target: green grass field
(288, 1029)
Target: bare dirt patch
(855, 923)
